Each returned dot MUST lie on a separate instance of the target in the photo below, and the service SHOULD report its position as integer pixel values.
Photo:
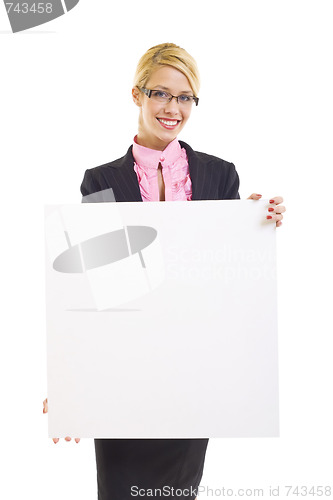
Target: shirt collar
(150, 158)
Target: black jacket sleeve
(229, 190)
(89, 185)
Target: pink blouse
(175, 172)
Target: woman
(158, 167)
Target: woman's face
(153, 132)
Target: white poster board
(161, 320)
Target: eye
(160, 93)
(185, 98)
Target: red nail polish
(271, 209)
(271, 201)
(269, 217)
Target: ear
(137, 96)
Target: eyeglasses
(162, 96)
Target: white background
(266, 105)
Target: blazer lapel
(126, 187)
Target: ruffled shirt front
(175, 172)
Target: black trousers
(149, 468)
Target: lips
(167, 123)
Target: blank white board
(161, 320)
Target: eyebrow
(166, 88)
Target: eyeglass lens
(160, 96)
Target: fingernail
(271, 201)
(271, 209)
(269, 217)
(258, 194)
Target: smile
(169, 124)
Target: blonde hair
(171, 55)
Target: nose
(172, 106)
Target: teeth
(168, 122)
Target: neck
(151, 143)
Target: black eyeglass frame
(149, 91)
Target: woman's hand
(55, 440)
(275, 212)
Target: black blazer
(212, 178)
